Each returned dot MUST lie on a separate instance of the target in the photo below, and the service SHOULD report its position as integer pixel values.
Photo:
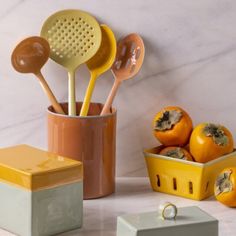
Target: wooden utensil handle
(56, 106)
(109, 101)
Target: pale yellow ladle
(129, 59)
(74, 37)
(29, 56)
(99, 64)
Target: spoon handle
(71, 93)
(109, 101)
(88, 95)
(56, 106)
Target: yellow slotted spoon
(100, 63)
(74, 37)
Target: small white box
(190, 221)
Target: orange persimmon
(225, 187)
(172, 126)
(176, 152)
(209, 141)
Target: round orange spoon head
(129, 57)
(30, 55)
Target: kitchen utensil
(100, 63)
(129, 59)
(29, 56)
(74, 37)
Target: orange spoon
(29, 56)
(129, 59)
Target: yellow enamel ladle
(99, 64)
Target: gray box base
(190, 221)
(41, 213)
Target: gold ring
(168, 211)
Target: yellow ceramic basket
(184, 178)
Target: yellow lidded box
(35, 169)
(41, 193)
(184, 178)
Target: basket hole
(174, 184)
(207, 185)
(190, 186)
(158, 181)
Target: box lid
(34, 169)
(153, 220)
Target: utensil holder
(91, 140)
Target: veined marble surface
(134, 195)
(190, 62)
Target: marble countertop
(134, 195)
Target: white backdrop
(190, 61)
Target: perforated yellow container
(184, 178)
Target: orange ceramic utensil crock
(90, 139)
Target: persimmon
(176, 152)
(172, 126)
(225, 187)
(209, 141)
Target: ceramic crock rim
(114, 112)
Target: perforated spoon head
(129, 57)
(105, 56)
(30, 55)
(74, 37)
